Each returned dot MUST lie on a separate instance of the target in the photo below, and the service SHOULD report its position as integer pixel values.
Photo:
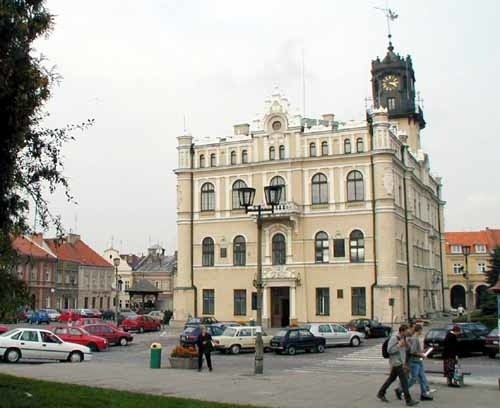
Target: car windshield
(190, 330)
(281, 333)
(437, 334)
(306, 326)
(132, 317)
(9, 333)
(375, 323)
(230, 332)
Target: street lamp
(246, 196)
(468, 297)
(116, 262)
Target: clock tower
(393, 88)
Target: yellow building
(339, 245)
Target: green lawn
(16, 392)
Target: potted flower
(183, 357)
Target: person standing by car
(205, 346)
(450, 355)
(396, 349)
(417, 371)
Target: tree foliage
(30, 155)
(493, 271)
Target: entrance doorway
(457, 296)
(280, 307)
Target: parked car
(335, 334)
(112, 334)
(82, 321)
(477, 328)
(141, 324)
(197, 321)
(80, 336)
(190, 334)
(40, 344)
(491, 343)
(290, 340)
(235, 339)
(156, 314)
(69, 315)
(225, 325)
(122, 315)
(53, 314)
(468, 341)
(371, 328)
(3, 329)
(39, 317)
(24, 315)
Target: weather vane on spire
(390, 16)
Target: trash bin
(155, 360)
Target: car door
(307, 339)
(294, 339)
(325, 331)
(30, 345)
(76, 336)
(52, 347)
(245, 338)
(340, 334)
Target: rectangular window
(458, 269)
(208, 301)
(339, 248)
(456, 249)
(358, 301)
(101, 303)
(391, 103)
(86, 303)
(481, 249)
(481, 267)
(240, 302)
(254, 300)
(340, 293)
(322, 301)
(93, 303)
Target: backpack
(385, 352)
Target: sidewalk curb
(469, 381)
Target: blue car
(39, 318)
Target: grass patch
(16, 392)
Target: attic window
(276, 125)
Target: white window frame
(456, 249)
(457, 269)
(480, 248)
(481, 267)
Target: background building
(474, 286)
(124, 275)
(358, 231)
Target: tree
(493, 271)
(30, 155)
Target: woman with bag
(205, 347)
(450, 356)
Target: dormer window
(456, 249)
(480, 248)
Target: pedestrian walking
(417, 370)
(397, 348)
(450, 355)
(205, 346)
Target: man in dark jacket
(397, 348)
(450, 354)
(204, 345)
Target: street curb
(486, 382)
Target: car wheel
(123, 341)
(92, 347)
(235, 349)
(291, 350)
(75, 357)
(355, 341)
(12, 355)
(141, 329)
(320, 348)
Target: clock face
(390, 82)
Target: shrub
(489, 321)
(184, 352)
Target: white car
(53, 314)
(39, 344)
(335, 334)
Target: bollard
(155, 359)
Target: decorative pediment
(279, 272)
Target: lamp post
(246, 196)
(468, 295)
(116, 262)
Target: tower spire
(390, 16)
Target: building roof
(28, 246)
(156, 262)
(131, 259)
(493, 238)
(77, 251)
(143, 286)
(488, 237)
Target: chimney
(72, 238)
(242, 129)
(329, 117)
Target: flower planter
(182, 362)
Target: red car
(141, 324)
(69, 316)
(3, 329)
(80, 336)
(110, 333)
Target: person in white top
(461, 310)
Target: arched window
(357, 246)
(239, 251)
(244, 156)
(280, 181)
(212, 160)
(272, 153)
(207, 258)
(233, 157)
(321, 247)
(324, 148)
(457, 296)
(279, 250)
(319, 189)
(202, 160)
(355, 186)
(282, 152)
(312, 150)
(207, 197)
(237, 185)
(347, 146)
(359, 145)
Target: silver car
(335, 334)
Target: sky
(142, 69)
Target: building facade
(125, 278)
(357, 231)
(466, 274)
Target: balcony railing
(286, 208)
